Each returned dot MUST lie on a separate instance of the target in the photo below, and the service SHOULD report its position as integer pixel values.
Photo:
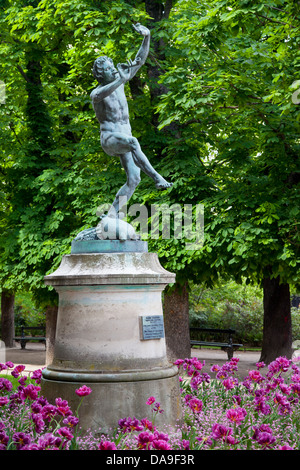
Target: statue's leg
(116, 143)
(143, 163)
(127, 190)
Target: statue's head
(98, 67)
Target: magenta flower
(10, 364)
(147, 424)
(83, 391)
(237, 399)
(48, 412)
(5, 385)
(71, 421)
(144, 440)
(236, 415)
(37, 375)
(49, 441)
(295, 387)
(17, 371)
(179, 362)
(256, 376)
(39, 423)
(3, 440)
(107, 445)
(65, 432)
(161, 445)
(161, 436)
(195, 405)
(266, 439)
(21, 439)
(4, 401)
(156, 408)
(62, 407)
(220, 431)
(130, 424)
(30, 392)
(263, 407)
(222, 374)
(230, 383)
(260, 429)
(281, 364)
(260, 365)
(150, 401)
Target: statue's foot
(163, 184)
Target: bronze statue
(111, 108)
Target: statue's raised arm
(143, 52)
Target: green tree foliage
(232, 88)
(55, 174)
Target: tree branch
(24, 75)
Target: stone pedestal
(110, 336)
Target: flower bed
(220, 412)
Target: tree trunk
(277, 330)
(176, 320)
(51, 318)
(8, 318)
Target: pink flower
(48, 412)
(83, 391)
(21, 439)
(63, 407)
(195, 405)
(10, 364)
(17, 371)
(65, 432)
(222, 432)
(266, 439)
(161, 445)
(71, 421)
(230, 383)
(5, 384)
(260, 365)
(130, 424)
(107, 445)
(147, 424)
(3, 439)
(31, 392)
(256, 376)
(3, 401)
(38, 421)
(236, 415)
(37, 375)
(144, 440)
(150, 401)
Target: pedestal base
(113, 400)
(110, 337)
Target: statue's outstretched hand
(124, 71)
(141, 29)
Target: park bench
(197, 335)
(23, 339)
